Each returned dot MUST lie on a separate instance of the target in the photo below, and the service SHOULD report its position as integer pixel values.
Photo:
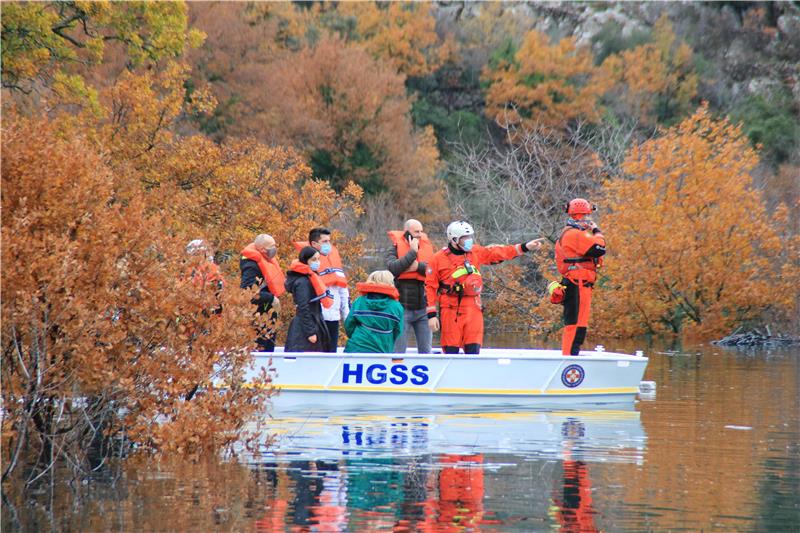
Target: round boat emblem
(572, 376)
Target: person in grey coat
(407, 261)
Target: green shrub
(609, 40)
(770, 120)
(450, 126)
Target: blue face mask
(467, 246)
(314, 265)
(325, 249)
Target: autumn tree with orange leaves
(104, 337)
(225, 192)
(328, 79)
(655, 81)
(97, 306)
(400, 33)
(542, 83)
(691, 246)
(350, 115)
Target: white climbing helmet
(458, 229)
(196, 246)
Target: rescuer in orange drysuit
(454, 281)
(578, 255)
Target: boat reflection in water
(440, 471)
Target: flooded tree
(692, 246)
(105, 338)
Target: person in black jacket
(260, 268)
(307, 332)
(407, 261)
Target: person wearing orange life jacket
(259, 267)
(203, 272)
(376, 318)
(453, 279)
(408, 260)
(578, 254)
(307, 331)
(332, 273)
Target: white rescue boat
(494, 377)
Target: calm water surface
(717, 448)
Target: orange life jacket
(325, 297)
(464, 279)
(270, 269)
(570, 261)
(330, 266)
(364, 288)
(424, 254)
(205, 273)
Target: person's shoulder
(297, 278)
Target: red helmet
(578, 207)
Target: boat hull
(494, 377)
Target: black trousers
(333, 334)
(265, 344)
(265, 333)
(472, 349)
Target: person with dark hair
(332, 273)
(307, 332)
